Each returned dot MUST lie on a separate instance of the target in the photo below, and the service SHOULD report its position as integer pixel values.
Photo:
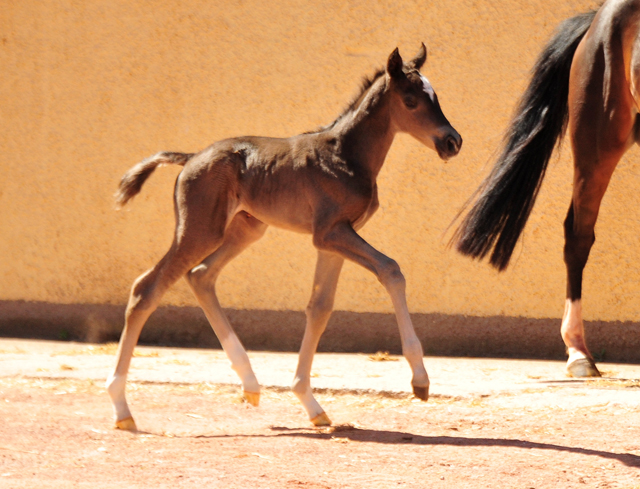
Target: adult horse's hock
(586, 78)
(322, 183)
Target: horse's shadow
(400, 438)
(403, 438)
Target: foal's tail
(132, 181)
(506, 197)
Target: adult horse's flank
(588, 77)
(322, 183)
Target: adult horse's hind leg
(243, 231)
(592, 175)
(579, 237)
(318, 311)
(602, 116)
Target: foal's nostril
(452, 145)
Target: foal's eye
(410, 101)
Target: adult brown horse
(322, 183)
(587, 77)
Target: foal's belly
(277, 221)
(292, 216)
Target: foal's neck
(367, 134)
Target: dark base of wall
(441, 334)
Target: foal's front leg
(342, 239)
(318, 312)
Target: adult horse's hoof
(421, 392)
(126, 424)
(321, 420)
(583, 367)
(252, 398)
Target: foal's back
(277, 180)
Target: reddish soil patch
(57, 433)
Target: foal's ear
(420, 58)
(394, 65)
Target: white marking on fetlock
(572, 318)
(412, 351)
(247, 377)
(575, 355)
(115, 386)
(572, 331)
(240, 363)
(303, 392)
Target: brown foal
(322, 183)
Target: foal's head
(415, 108)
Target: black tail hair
(132, 181)
(506, 197)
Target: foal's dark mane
(365, 85)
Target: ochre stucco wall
(89, 88)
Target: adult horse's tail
(506, 197)
(132, 181)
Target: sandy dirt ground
(540, 432)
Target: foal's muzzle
(449, 146)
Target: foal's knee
(143, 295)
(201, 278)
(390, 275)
(319, 310)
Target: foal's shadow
(352, 433)
(402, 438)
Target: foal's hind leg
(202, 214)
(243, 230)
(318, 312)
(146, 293)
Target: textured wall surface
(89, 88)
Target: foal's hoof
(583, 367)
(126, 424)
(421, 392)
(321, 420)
(252, 398)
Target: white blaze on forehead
(428, 88)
